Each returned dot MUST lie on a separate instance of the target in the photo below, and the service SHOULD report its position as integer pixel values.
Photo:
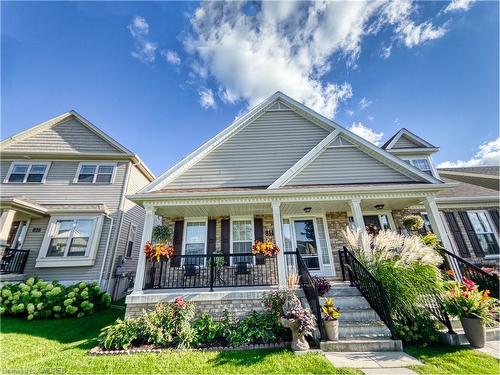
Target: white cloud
(488, 154)
(349, 112)
(456, 5)
(207, 99)
(364, 103)
(171, 57)
(253, 50)
(144, 50)
(386, 52)
(367, 133)
(371, 118)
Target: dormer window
(20, 172)
(423, 164)
(95, 173)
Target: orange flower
(486, 295)
(450, 273)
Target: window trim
(232, 219)
(184, 234)
(493, 231)
(388, 213)
(30, 164)
(423, 157)
(132, 224)
(75, 261)
(97, 165)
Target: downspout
(117, 234)
(107, 247)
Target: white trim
(18, 234)
(410, 135)
(30, 165)
(292, 219)
(187, 220)
(132, 224)
(97, 165)
(231, 221)
(423, 157)
(90, 253)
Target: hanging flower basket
(157, 251)
(267, 248)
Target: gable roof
(407, 140)
(289, 104)
(30, 142)
(486, 177)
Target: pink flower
(180, 303)
(469, 284)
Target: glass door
(306, 242)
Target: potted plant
(322, 285)
(299, 320)
(472, 306)
(331, 319)
(413, 222)
(160, 246)
(264, 249)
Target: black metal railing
(462, 268)
(13, 260)
(211, 271)
(370, 288)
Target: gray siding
(67, 136)
(257, 155)
(346, 165)
(405, 142)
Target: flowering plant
(466, 300)
(158, 250)
(330, 311)
(267, 248)
(322, 285)
(305, 319)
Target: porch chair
(190, 270)
(242, 269)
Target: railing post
(211, 262)
(147, 231)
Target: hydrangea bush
(38, 299)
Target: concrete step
(362, 345)
(350, 315)
(343, 291)
(350, 302)
(363, 329)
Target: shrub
(120, 335)
(322, 285)
(208, 330)
(35, 298)
(255, 328)
(413, 222)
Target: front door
(306, 243)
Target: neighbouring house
(64, 211)
(284, 172)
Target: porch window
(373, 223)
(242, 239)
(27, 172)
(95, 173)
(484, 232)
(195, 241)
(130, 240)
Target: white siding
(346, 165)
(257, 155)
(405, 142)
(67, 136)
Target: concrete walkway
(374, 362)
(492, 348)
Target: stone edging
(96, 351)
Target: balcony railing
(211, 271)
(13, 261)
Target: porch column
(357, 215)
(147, 231)
(6, 221)
(278, 236)
(437, 224)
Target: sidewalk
(374, 362)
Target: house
(280, 172)
(64, 211)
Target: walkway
(374, 362)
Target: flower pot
(299, 342)
(474, 331)
(332, 329)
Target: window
(95, 173)
(71, 238)
(242, 239)
(195, 241)
(373, 223)
(423, 164)
(130, 241)
(427, 223)
(27, 172)
(484, 232)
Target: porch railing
(211, 271)
(462, 268)
(13, 261)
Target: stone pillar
(147, 232)
(437, 224)
(278, 236)
(5, 224)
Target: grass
(61, 346)
(441, 359)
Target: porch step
(353, 315)
(362, 344)
(341, 290)
(367, 329)
(350, 302)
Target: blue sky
(163, 77)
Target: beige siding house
(63, 203)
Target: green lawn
(61, 346)
(441, 359)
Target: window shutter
(457, 234)
(178, 233)
(225, 239)
(494, 218)
(258, 228)
(211, 236)
(476, 246)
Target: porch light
(307, 209)
(379, 206)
